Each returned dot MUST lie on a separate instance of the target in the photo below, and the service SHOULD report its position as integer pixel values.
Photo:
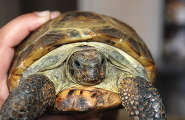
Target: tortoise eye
(103, 61)
(77, 63)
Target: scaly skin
(29, 99)
(141, 99)
(33, 95)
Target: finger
(14, 32)
(11, 35)
(55, 14)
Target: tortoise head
(87, 66)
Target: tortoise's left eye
(77, 63)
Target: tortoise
(82, 63)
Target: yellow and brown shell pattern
(74, 27)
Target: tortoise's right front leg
(29, 99)
(141, 99)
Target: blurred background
(160, 23)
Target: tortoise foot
(141, 99)
(29, 99)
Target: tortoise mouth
(88, 100)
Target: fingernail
(54, 14)
(42, 13)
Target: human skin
(11, 35)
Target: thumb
(11, 35)
(16, 30)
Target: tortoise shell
(75, 27)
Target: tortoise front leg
(141, 99)
(29, 99)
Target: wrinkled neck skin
(55, 66)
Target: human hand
(11, 35)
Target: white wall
(145, 16)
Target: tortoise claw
(141, 99)
(29, 99)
